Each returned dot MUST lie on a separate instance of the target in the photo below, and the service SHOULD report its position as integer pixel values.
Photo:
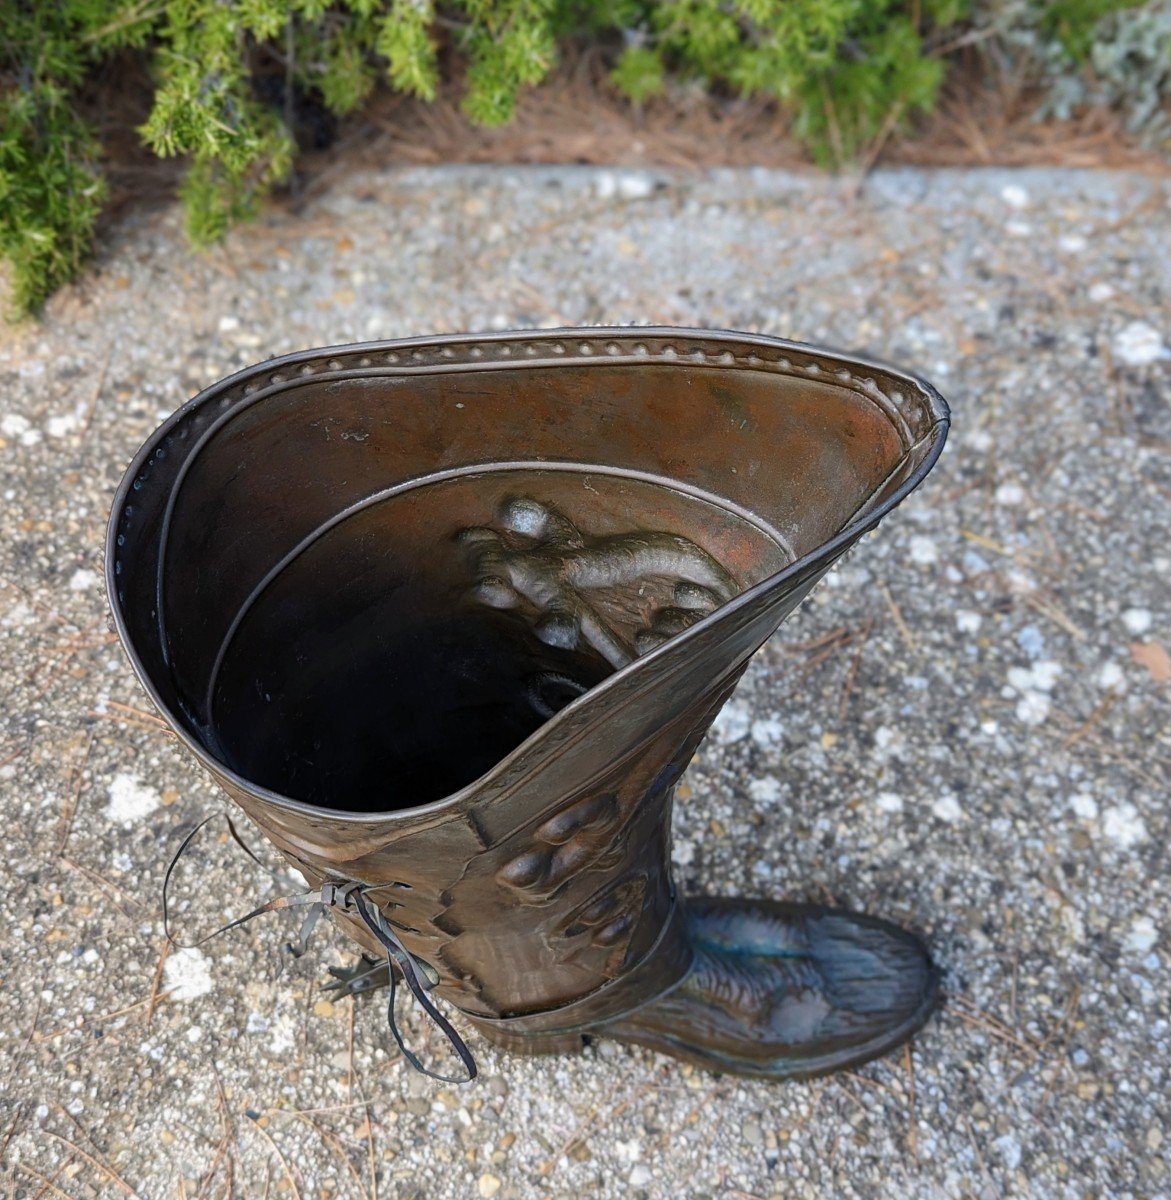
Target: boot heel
(533, 1043)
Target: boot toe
(786, 991)
(871, 976)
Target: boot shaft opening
(360, 578)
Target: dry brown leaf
(1152, 656)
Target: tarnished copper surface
(448, 617)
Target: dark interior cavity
(383, 668)
(386, 707)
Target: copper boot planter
(448, 617)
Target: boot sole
(540, 1044)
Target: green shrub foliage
(50, 191)
(229, 74)
(1109, 53)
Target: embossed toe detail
(788, 991)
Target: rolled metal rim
(937, 436)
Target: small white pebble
(1123, 825)
(923, 551)
(635, 187)
(889, 802)
(282, 1036)
(1072, 243)
(1137, 621)
(1110, 676)
(13, 425)
(640, 1176)
(1100, 292)
(1010, 495)
(946, 808)
(683, 853)
(1084, 806)
(1045, 674)
(767, 731)
(58, 427)
(888, 743)
(187, 974)
(1014, 195)
(229, 324)
(1041, 676)
(967, 621)
(1139, 344)
(1018, 229)
(1031, 640)
(83, 579)
(764, 791)
(1032, 708)
(1142, 936)
(130, 800)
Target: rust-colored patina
(448, 617)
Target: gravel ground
(965, 729)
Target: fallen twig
(50, 1183)
(254, 1124)
(156, 980)
(912, 1124)
(1065, 1023)
(69, 809)
(98, 1164)
(898, 617)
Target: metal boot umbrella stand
(448, 617)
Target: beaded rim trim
(914, 407)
